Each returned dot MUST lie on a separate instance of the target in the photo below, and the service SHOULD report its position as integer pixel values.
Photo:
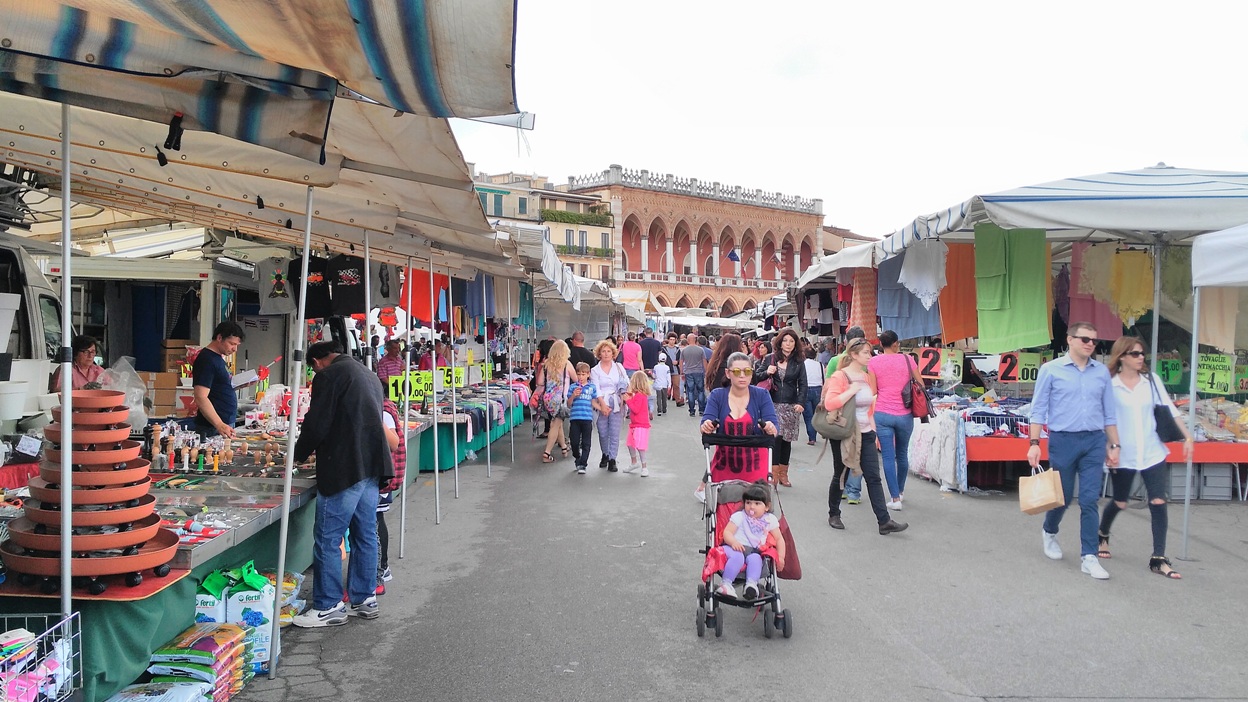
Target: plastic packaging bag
(122, 376)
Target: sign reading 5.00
(1170, 370)
(457, 376)
(415, 385)
(1019, 368)
(1214, 373)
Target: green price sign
(1170, 370)
(455, 377)
(1019, 368)
(487, 371)
(1215, 373)
(415, 385)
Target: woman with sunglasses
(854, 380)
(1136, 391)
(786, 369)
(737, 410)
(717, 368)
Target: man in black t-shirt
(650, 349)
(213, 385)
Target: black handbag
(1167, 429)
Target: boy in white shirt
(662, 384)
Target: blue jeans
(355, 507)
(1082, 454)
(894, 431)
(853, 486)
(808, 410)
(695, 393)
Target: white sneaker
(895, 505)
(728, 590)
(315, 618)
(1051, 548)
(645, 472)
(751, 591)
(632, 467)
(1092, 566)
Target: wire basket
(41, 658)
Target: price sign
(951, 364)
(456, 377)
(1241, 379)
(487, 370)
(1215, 373)
(928, 360)
(1170, 370)
(1019, 368)
(415, 384)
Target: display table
(119, 637)
(989, 448)
(446, 432)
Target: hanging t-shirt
(385, 281)
(317, 304)
(346, 280)
(276, 297)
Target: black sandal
(1156, 562)
(566, 451)
(547, 458)
(1102, 550)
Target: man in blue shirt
(1075, 398)
(212, 383)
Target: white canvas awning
(1142, 206)
(1221, 258)
(266, 73)
(643, 300)
(822, 274)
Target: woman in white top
(611, 380)
(814, 383)
(1136, 391)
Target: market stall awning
(398, 176)
(643, 300)
(822, 274)
(1134, 206)
(721, 322)
(266, 73)
(1221, 258)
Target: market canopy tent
(1157, 205)
(1219, 259)
(265, 73)
(821, 275)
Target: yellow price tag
(414, 385)
(1214, 373)
(454, 377)
(951, 364)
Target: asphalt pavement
(540, 584)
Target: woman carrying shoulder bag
(1137, 391)
(854, 380)
(555, 377)
(786, 369)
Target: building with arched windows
(707, 245)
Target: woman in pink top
(630, 354)
(893, 421)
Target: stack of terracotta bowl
(115, 528)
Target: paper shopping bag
(1040, 492)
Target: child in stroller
(750, 531)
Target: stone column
(714, 258)
(695, 266)
(671, 261)
(737, 265)
(645, 253)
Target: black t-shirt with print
(317, 305)
(346, 280)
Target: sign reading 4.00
(1214, 373)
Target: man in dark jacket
(650, 349)
(343, 427)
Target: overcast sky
(886, 110)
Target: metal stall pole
(511, 430)
(1191, 414)
(433, 415)
(450, 324)
(1157, 250)
(67, 378)
(296, 381)
(488, 371)
(368, 304)
(407, 409)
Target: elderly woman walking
(611, 380)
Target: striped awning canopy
(1159, 203)
(266, 73)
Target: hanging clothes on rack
(1086, 308)
(898, 308)
(958, 315)
(862, 309)
(1061, 293)
(1098, 259)
(481, 285)
(923, 271)
(526, 305)
(1013, 306)
(346, 285)
(1218, 309)
(1176, 273)
(317, 305)
(385, 281)
(1131, 282)
(418, 280)
(275, 294)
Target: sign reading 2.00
(1019, 367)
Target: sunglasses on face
(739, 372)
(1085, 339)
(1134, 354)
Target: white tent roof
(643, 300)
(1136, 206)
(266, 73)
(822, 274)
(1221, 258)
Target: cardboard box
(179, 344)
(165, 396)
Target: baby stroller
(722, 500)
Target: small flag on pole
(732, 256)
